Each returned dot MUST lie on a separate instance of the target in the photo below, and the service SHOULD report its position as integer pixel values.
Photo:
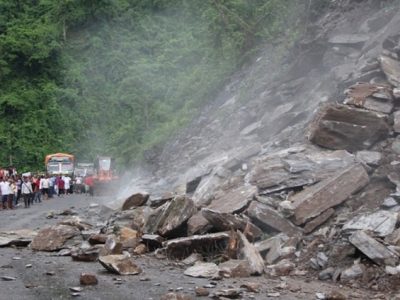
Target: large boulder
(391, 68)
(53, 238)
(135, 200)
(328, 193)
(343, 127)
(235, 200)
(21, 237)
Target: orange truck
(60, 164)
(104, 178)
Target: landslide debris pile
(326, 209)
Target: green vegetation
(118, 77)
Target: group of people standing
(31, 189)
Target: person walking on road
(26, 192)
(44, 187)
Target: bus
(84, 169)
(60, 164)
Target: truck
(60, 164)
(105, 179)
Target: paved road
(161, 275)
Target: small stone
(76, 289)
(28, 266)
(251, 287)
(335, 295)
(88, 279)
(16, 258)
(8, 278)
(75, 294)
(50, 273)
(389, 202)
(175, 296)
(140, 249)
(320, 296)
(144, 279)
(276, 294)
(201, 292)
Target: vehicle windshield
(52, 168)
(105, 164)
(67, 167)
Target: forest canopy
(117, 77)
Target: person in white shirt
(26, 191)
(6, 193)
(44, 187)
(67, 184)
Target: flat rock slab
(179, 210)
(197, 224)
(22, 237)
(319, 220)
(343, 127)
(53, 238)
(376, 251)
(182, 247)
(202, 270)
(250, 253)
(391, 68)
(234, 200)
(371, 158)
(76, 222)
(135, 200)
(382, 222)
(120, 264)
(267, 218)
(328, 193)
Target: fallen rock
(335, 295)
(197, 224)
(251, 287)
(112, 246)
(229, 293)
(53, 238)
(282, 268)
(126, 233)
(382, 222)
(355, 271)
(88, 279)
(152, 241)
(225, 222)
(235, 268)
(391, 68)
(135, 200)
(371, 158)
(234, 201)
(376, 251)
(250, 253)
(317, 221)
(267, 218)
(120, 264)
(343, 127)
(201, 292)
(176, 296)
(328, 193)
(140, 249)
(96, 239)
(76, 222)
(192, 259)
(85, 254)
(19, 238)
(202, 270)
(179, 210)
(183, 247)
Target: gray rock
(349, 39)
(19, 238)
(269, 219)
(391, 68)
(250, 253)
(182, 247)
(376, 251)
(135, 200)
(235, 268)
(197, 224)
(389, 202)
(381, 222)
(396, 145)
(120, 264)
(328, 193)
(396, 93)
(234, 200)
(371, 158)
(178, 211)
(319, 220)
(202, 270)
(396, 120)
(53, 238)
(342, 127)
(354, 271)
(326, 274)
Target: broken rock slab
(19, 238)
(234, 200)
(235, 268)
(183, 247)
(269, 219)
(371, 158)
(202, 270)
(391, 68)
(376, 251)
(53, 238)
(197, 224)
(76, 222)
(319, 220)
(135, 200)
(226, 222)
(176, 214)
(339, 126)
(120, 264)
(328, 193)
(382, 222)
(250, 253)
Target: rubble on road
(202, 270)
(53, 238)
(120, 264)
